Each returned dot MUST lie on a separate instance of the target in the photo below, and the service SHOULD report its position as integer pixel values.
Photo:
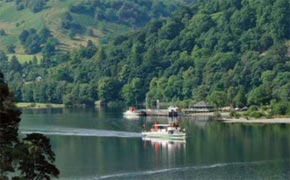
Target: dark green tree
(219, 98)
(11, 48)
(30, 158)
(108, 89)
(131, 92)
(14, 64)
(23, 36)
(280, 19)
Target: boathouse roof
(202, 104)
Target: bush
(281, 108)
(256, 114)
(253, 108)
(235, 114)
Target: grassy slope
(14, 22)
(25, 57)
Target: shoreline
(38, 105)
(226, 119)
(283, 120)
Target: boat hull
(134, 113)
(161, 135)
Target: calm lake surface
(102, 144)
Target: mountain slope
(16, 16)
(227, 52)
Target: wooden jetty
(159, 112)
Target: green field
(38, 105)
(13, 22)
(22, 58)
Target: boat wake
(64, 131)
(151, 172)
(140, 174)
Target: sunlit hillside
(14, 18)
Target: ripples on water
(64, 131)
(224, 171)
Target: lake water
(102, 144)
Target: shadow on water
(64, 131)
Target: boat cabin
(169, 128)
(167, 131)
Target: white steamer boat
(165, 131)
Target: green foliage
(256, 114)
(131, 92)
(133, 13)
(260, 95)
(34, 6)
(67, 22)
(14, 65)
(280, 108)
(218, 98)
(11, 48)
(280, 19)
(108, 89)
(36, 157)
(235, 114)
(224, 51)
(29, 158)
(32, 42)
(97, 21)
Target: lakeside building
(200, 107)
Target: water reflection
(64, 131)
(164, 146)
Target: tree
(108, 89)
(11, 48)
(260, 95)
(32, 44)
(44, 34)
(280, 19)
(9, 119)
(23, 36)
(14, 64)
(219, 98)
(3, 62)
(281, 107)
(131, 92)
(30, 158)
(170, 30)
(49, 47)
(36, 157)
(240, 99)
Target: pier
(158, 112)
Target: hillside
(229, 53)
(74, 22)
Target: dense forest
(229, 52)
